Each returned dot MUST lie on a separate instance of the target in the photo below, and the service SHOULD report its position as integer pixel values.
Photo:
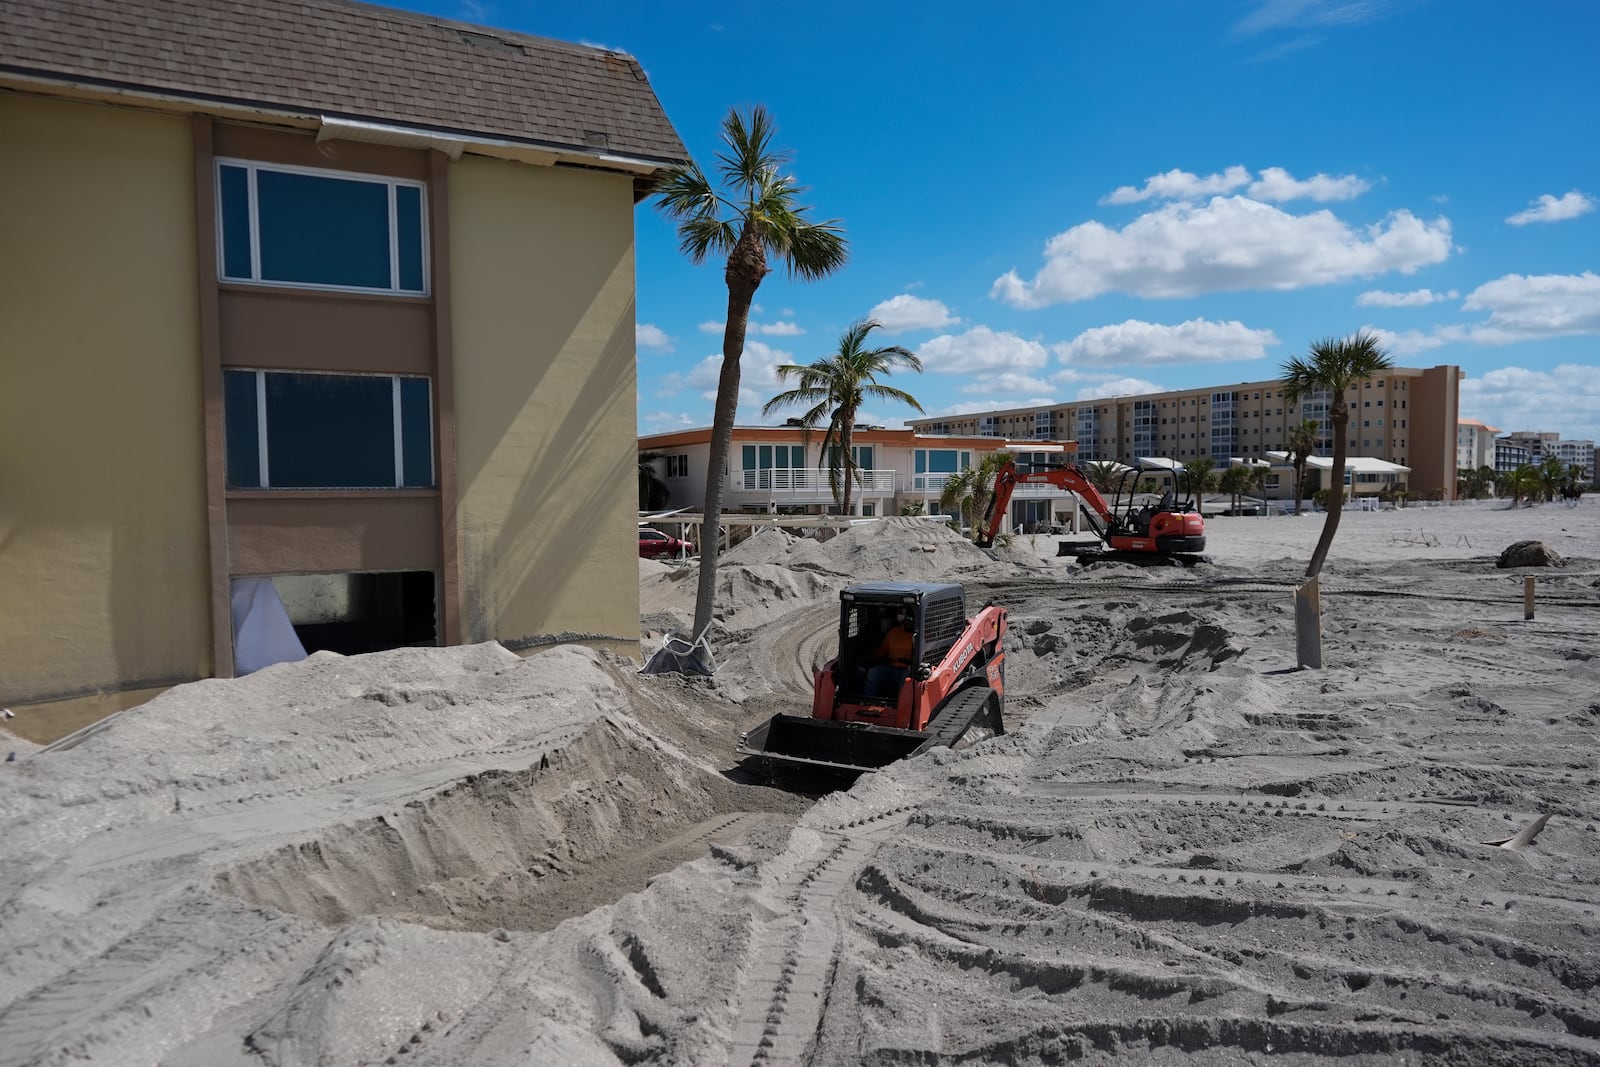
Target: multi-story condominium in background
(1509, 455)
(1474, 445)
(1536, 446)
(1406, 416)
(1577, 454)
(1539, 443)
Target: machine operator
(892, 660)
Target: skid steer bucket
(823, 744)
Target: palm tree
(1333, 364)
(1235, 481)
(967, 494)
(1202, 474)
(836, 387)
(1524, 481)
(756, 214)
(1102, 474)
(653, 492)
(1302, 446)
(1551, 473)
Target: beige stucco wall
(103, 558)
(542, 287)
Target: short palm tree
(1201, 474)
(1235, 481)
(1523, 482)
(1334, 364)
(1302, 446)
(1102, 474)
(968, 493)
(1552, 472)
(835, 387)
(756, 214)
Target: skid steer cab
(913, 672)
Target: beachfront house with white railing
(779, 470)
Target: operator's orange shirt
(896, 646)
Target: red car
(654, 544)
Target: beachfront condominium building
(326, 296)
(1509, 455)
(776, 470)
(1405, 416)
(1474, 445)
(1540, 444)
(1578, 454)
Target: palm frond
(699, 238)
(889, 392)
(747, 154)
(816, 250)
(686, 193)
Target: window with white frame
(299, 430)
(320, 229)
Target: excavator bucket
(850, 747)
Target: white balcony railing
(810, 481)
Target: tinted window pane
(329, 431)
(749, 453)
(942, 461)
(416, 432)
(408, 226)
(323, 231)
(240, 429)
(234, 191)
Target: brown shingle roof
(349, 60)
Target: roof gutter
(453, 143)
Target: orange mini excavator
(1170, 530)
(868, 711)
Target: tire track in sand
(791, 959)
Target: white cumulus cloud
(1119, 387)
(906, 312)
(981, 349)
(1528, 307)
(1180, 185)
(1414, 299)
(758, 329)
(647, 336)
(1554, 209)
(1277, 184)
(1007, 382)
(1136, 343)
(1564, 400)
(1228, 243)
(1410, 342)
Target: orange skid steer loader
(869, 709)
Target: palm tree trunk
(746, 267)
(1330, 525)
(847, 457)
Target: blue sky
(1049, 201)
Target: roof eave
(333, 126)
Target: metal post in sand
(1308, 625)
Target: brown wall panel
(303, 331)
(302, 534)
(303, 150)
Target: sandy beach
(1183, 851)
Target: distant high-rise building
(1405, 415)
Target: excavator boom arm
(1065, 477)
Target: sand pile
(1184, 852)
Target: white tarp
(262, 632)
